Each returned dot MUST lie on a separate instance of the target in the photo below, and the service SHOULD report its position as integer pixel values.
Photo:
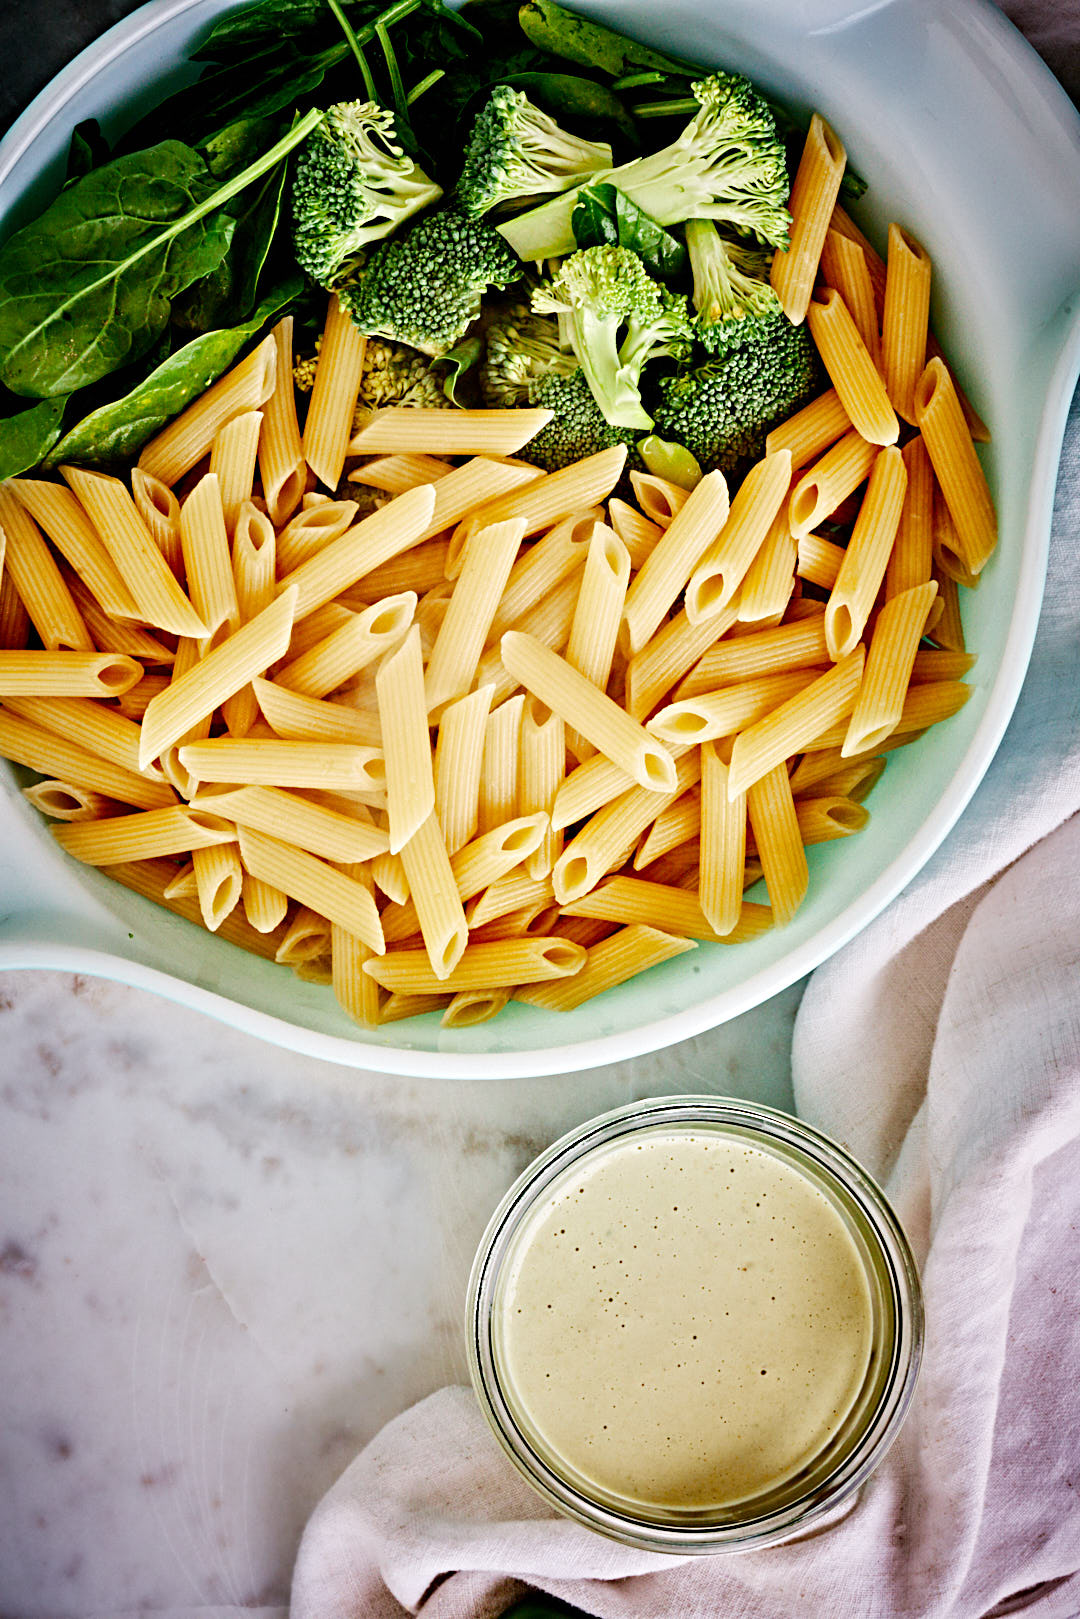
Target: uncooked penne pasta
(729, 709)
(770, 808)
(636, 900)
(311, 530)
(58, 513)
(356, 993)
(410, 783)
(474, 1006)
(32, 569)
(844, 266)
(419, 568)
(614, 830)
(906, 319)
(207, 562)
(544, 566)
(232, 461)
(299, 821)
(282, 469)
(948, 631)
(93, 726)
(253, 564)
(889, 661)
(459, 754)
(588, 788)
(50, 754)
(160, 510)
(265, 907)
(67, 674)
(476, 866)
(261, 762)
(547, 499)
(411, 430)
(396, 473)
(770, 578)
(723, 844)
(597, 614)
(376, 539)
(108, 634)
(307, 719)
(488, 558)
(912, 552)
(183, 443)
(14, 619)
(680, 824)
(824, 819)
(498, 796)
(828, 773)
(150, 878)
(811, 431)
(463, 499)
(626, 953)
(866, 557)
(796, 723)
(956, 465)
(637, 532)
(63, 801)
(344, 652)
(396, 1007)
(924, 705)
(481, 966)
(314, 883)
(388, 873)
(219, 879)
(333, 396)
(673, 650)
(139, 837)
(767, 652)
(931, 664)
(433, 893)
(830, 481)
(600, 720)
(722, 569)
(851, 368)
(947, 559)
(813, 198)
(818, 562)
(541, 769)
(660, 500)
(688, 539)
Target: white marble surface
(223, 1266)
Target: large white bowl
(966, 138)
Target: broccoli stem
(356, 48)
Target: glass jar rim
(831, 1162)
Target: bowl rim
(770, 980)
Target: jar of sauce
(695, 1325)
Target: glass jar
(882, 1378)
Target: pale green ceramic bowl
(964, 137)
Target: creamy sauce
(685, 1320)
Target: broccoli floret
(515, 151)
(728, 164)
(353, 185)
(576, 429)
(617, 317)
(424, 288)
(395, 375)
(723, 411)
(735, 304)
(522, 348)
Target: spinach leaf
(88, 150)
(117, 431)
(238, 30)
(603, 214)
(88, 285)
(228, 293)
(565, 95)
(238, 144)
(461, 358)
(26, 438)
(591, 44)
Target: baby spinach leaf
(88, 285)
(591, 44)
(88, 150)
(227, 294)
(238, 144)
(603, 214)
(117, 431)
(26, 438)
(461, 358)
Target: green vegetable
(26, 438)
(228, 293)
(118, 431)
(576, 429)
(353, 185)
(617, 318)
(88, 286)
(722, 412)
(88, 149)
(516, 151)
(566, 95)
(671, 461)
(592, 45)
(424, 287)
(727, 164)
(603, 213)
(457, 362)
(396, 375)
(523, 348)
(735, 303)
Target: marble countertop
(224, 1266)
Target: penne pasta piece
(311, 530)
(298, 821)
(690, 534)
(95, 728)
(307, 719)
(630, 951)
(660, 500)
(253, 564)
(638, 533)
(183, 443)
(306, 938)
(474, 1006)
(729, 709)
(232, 461)
(410, 783)
(464, 498)
(222, 673)
(356, 993)
(548, 498)
(514, 895)
(818, 562)
(636, 901)
(941, 665)
(724, 566)
(948, 631)
(14, 620)
(481, 966)
(314, 883)
(945, 548)
(420, 568)
(498, 794)
(851, 368)
(924, 705)
(388, 873)
(544, 566)
(680, 824)
(906, 319)
(811, 431)
(770, 578)
(435, 898)
(541, 769)
(796, 723)
(479, 865)
(597, 614)
(185, 884)
(488, 558)
(108, 634)
(395, 527)
(412, 430)
(609, 836)
(866, 557)
(282, 469)
(844, 266)
(67, 674)
(58, 513)
(53, 755)
(912, 552)
(823, 819)
(261, 762)
(141, 836)
(549, 622)
(207, 562)
(30, 567)
(723, 845)
(159, 509)
(591, 785)
(956, 466)
(332, 661)
(766, 652)
(396, 1007)
(889, 662)
(334, 395)
(459, 754)
(219, 880)
(812, 201)
(396, 473)
(66, 802)
(265, 907)
(653, 671)
(830, 481)
(150, 879)
(317, 626)
(827, 777)
(129, 542)
(775, 825)
(600, 720)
